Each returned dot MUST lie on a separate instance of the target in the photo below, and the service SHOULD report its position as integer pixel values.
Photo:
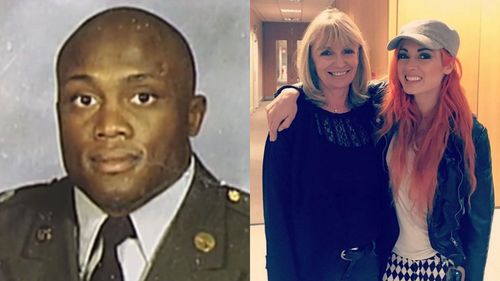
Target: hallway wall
(255, 60)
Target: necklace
(336, 103)
(340, 109)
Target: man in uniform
(137, 204)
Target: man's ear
(197, 108)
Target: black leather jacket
(459, 229)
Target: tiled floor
(258, 134)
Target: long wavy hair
(452, 115)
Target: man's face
(125, 115)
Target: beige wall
(488, 103)
(478, 23)
(372, 19)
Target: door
(279, 55)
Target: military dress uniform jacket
(207, 240)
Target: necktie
(113, 232)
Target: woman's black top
(324, 188)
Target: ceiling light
(291, 11)
(290, 19)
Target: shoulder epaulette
(237, 200)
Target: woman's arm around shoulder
(282, 110)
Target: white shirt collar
(151, 221)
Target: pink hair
(452, 115)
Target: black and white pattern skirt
(404, 269)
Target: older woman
(324, 186)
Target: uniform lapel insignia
(204, 242)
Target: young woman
(438, 159)
(324, 188)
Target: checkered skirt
(404, 269)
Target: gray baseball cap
(432, 34)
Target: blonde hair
(329, 26)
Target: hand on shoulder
(281, 112)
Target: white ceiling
(271, 10)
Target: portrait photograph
(124, 140)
